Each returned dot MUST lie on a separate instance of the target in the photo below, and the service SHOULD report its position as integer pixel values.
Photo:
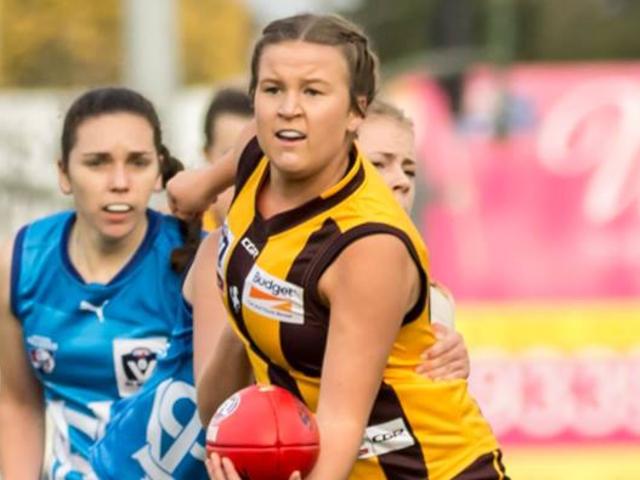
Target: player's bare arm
(363, 325)
(220, 363)
(190, 192)
(21, 400)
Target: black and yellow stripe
(417, 428)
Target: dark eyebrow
(136, 153)
(385, 155)
(97, 155)
(269, 80)
(316, 80)
(87, 154)
(307, 81)
(140, 153)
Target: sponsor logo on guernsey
(273, 297)
(68, 422)
(135, 360)
(42, 353)
(250, 247)
(97, 309)
(384, 438)
(172, 431)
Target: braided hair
(326, 30)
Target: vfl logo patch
(273, 297)
(135, 360)
(384, 438)
(42, 353)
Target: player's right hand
(188, 195)
(448, 358)
(223, 469)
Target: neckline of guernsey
(153, 224)
(335, 194)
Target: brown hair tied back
(107, 100)
(191, 231)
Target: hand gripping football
(266, 432)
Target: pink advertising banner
(532, 219)
(550, 210)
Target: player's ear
(158, 187)
(64, 182)
(356, 115)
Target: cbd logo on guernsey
(273, 297)
(384, 438)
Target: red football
(266, 432)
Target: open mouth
(289, 135)
(117, 208)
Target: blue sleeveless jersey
(91, 344)
(156, 434)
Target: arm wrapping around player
(363, 325)
(190, 192)
(21, 400)
(447, 358)
(220, 363)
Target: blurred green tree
(579, 29)
(216, 36)
(62, 43)
(411, 33)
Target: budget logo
(273, 297)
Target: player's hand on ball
(447, 359)
(222, 469)
(262, 432)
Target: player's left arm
(365, 319)
(22, 426)
(209, 314)
(221, 366)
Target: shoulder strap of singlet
(16, 267)
(249, 160)
(342, 241)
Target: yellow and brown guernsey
(209, 221)
(269, 271)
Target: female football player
(89, 296)
(323, 274)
